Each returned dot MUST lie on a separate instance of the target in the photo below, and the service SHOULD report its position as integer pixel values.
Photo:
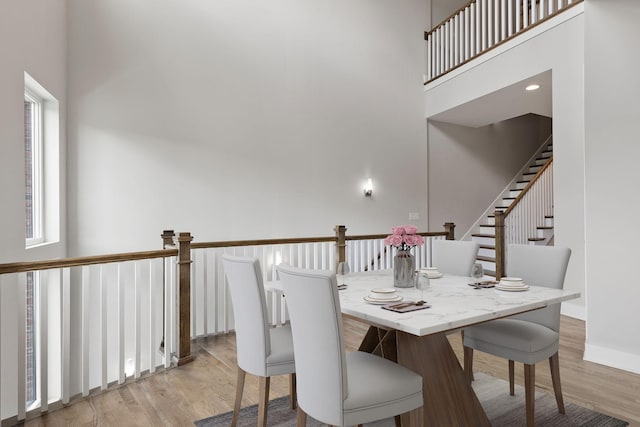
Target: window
(42, 206)
(33, 149)
(42, 164)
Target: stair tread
(484, 235)
(548, 216)
(489, 225)
(487, 247)
(508, 198)
(490, 273)
(536, 239)
(544, 227)
(485, 258)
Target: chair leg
(468, 363)
(293, 394)
(511, 377)
(554, 364)
(301, 418)
(239, 390)
(529, 392)
(263, 400)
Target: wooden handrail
(526, 189)
(21, 267)
(261, 242)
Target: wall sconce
(368, 188)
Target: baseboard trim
(613, 358)
(573, 310)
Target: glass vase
(403, 269)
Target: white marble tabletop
(454, 304)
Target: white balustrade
(524, 219)
(479, 26)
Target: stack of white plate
(513, 284)
(432, 272)
(382, 296)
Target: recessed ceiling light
(533, 87)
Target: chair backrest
(454, 257)
(540, 266)
(244, 278)
(318, 343)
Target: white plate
(382, 297)
(512, 279)
(382, 301)
(512, 288)
(434, 275)
(384, 290)
(512, 285)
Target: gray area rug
(501, 408)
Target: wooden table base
(449, 399)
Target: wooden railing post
(449, 227)
(168, 241)
(341, 244)
(499, 233)
(184, 304)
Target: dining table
(418, 339)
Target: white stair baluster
(65, 310)
(85, 330)
(104, 380)
(43, 328)
(120, 311)
(137, 285)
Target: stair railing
(520, 220)
(481, 25)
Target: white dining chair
(454, 257)
(261, 350)
(531, 337)
(336, 387)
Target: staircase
(486, 235)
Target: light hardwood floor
(206, 386)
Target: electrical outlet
(414, 215)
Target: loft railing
(520, 220)
(101, 320)
(211, 303)
(481, 25)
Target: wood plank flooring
(206, 386)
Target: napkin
(401, 308)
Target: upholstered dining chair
(531, 337)
(455, 257)
(336, 387)
(261, 350)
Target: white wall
(561, 50)
(469, 167)
(243, 119)
(612, 207)
(32, 39)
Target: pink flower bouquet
(404, 237)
